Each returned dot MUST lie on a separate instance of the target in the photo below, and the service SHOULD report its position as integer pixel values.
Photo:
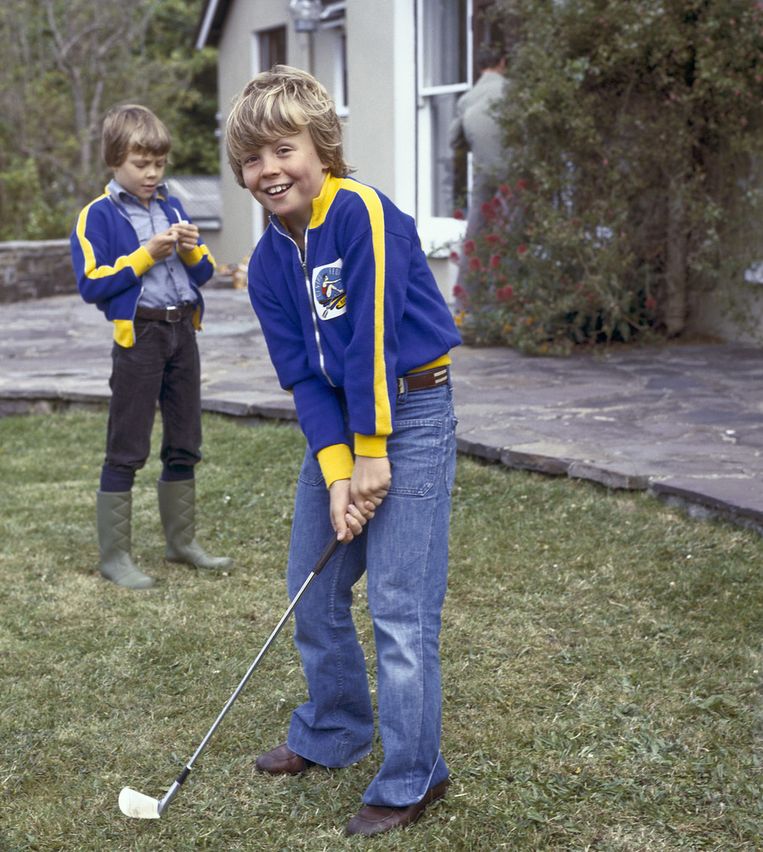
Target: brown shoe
(282, 761)
(375, 819)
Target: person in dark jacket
(140, 260)
(476, 127)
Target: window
(333, 25)
(445, 58)
(271, 49)
(268, 49)
(444, 43)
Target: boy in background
(139, 259)
(359, 332)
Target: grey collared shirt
(166, 283)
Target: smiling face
(285, 175)
(140, 174)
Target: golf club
(139, 805)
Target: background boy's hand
(162, 245)
(348, 521)
(187, 235)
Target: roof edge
(210, 23)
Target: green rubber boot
(177, 508)
(114, 521)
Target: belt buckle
(401, 385)
(172, 313)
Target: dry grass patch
(601, 661)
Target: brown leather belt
(172, 313)
(424, 379)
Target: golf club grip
(326, 555)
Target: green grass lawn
(601, 664)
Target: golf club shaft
(319, 566)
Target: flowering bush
(632, 129)
(542, 287)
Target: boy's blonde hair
(282, 102)
(132, 127)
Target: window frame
(259, 63)
(437, 232)
(336, 28)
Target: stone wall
(35, 269)
(32, 270)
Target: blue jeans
(404, 552)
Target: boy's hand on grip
(348, 521)
(371, 479)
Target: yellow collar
(321, 204)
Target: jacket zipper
(313, 313)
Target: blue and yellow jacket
(344, 320)
(109, 261)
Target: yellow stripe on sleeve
(382, 410)
(139, 261)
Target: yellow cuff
(336, 463)
(192, 257)
(372, 446)
(142, 261)
(124, 333)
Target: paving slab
(684, 421)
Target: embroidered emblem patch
(328, 291)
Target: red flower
(522, 248)
(505, 189)
(458, 214)
(469, 247)
(492, 239)
(495, 261)
(503, 294)
(520, 185)
(455, 257)
(475, 264)
(458, 291)
(651, 303)
(488, 211)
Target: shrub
(632, 130)
(544, 284)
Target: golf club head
(138, 805)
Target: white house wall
(235, 67)
(380, 127)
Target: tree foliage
(634, 128)
(68, 61)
